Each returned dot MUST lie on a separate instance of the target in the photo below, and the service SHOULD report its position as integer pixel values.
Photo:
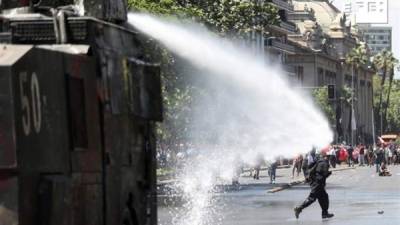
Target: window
(330, 77)
(371, 6)
(300, 74)
(348, 80)
(320, 81)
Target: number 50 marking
(33, 106)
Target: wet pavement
(357, 197)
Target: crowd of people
(380, 156)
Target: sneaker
(297, 211)
(327, 215)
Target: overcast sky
(394, 22)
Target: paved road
(356, 197)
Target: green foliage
(393, 109)
(384, 62)
(163, 7)
(238, 17)
(357, 57)
(321, 98)
(233, 17)
(346, 95)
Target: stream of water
(257, 112)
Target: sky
(394, 22)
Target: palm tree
(393, 62)
(357, 57)
(385, 62)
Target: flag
(353, 120)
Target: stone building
(315, 50)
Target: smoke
(249, 109)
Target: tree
(357, 57)
(235, 18)
(320, 95)
(384, 61)
(393, 110)
(393, 62)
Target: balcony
(281, 4)
(280, 46)
(301, 15)
(285, 27)
(288, 26)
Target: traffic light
(331, 92)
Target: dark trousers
(332, 160)
(317, 192)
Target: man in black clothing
(317, 175)
(350, 150)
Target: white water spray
(258, 113)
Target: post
(373, 128)
(352, 105)
(381, 119)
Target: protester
(272, 171)
(311, 157)
(297, 164)
(356, 155)
(361, 156)
(317, 175)
(379, 157)
(390, 156)
(343, 155)
(257, 167)
(396, 155)
(350, 155)
(383, 170)
(370, 156)
(332, 156)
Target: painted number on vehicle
(30, 103)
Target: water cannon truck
(79, 100)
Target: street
(357, 196)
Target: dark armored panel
(80, 147)
(35, 110)
(52, 166)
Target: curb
(289, 185)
